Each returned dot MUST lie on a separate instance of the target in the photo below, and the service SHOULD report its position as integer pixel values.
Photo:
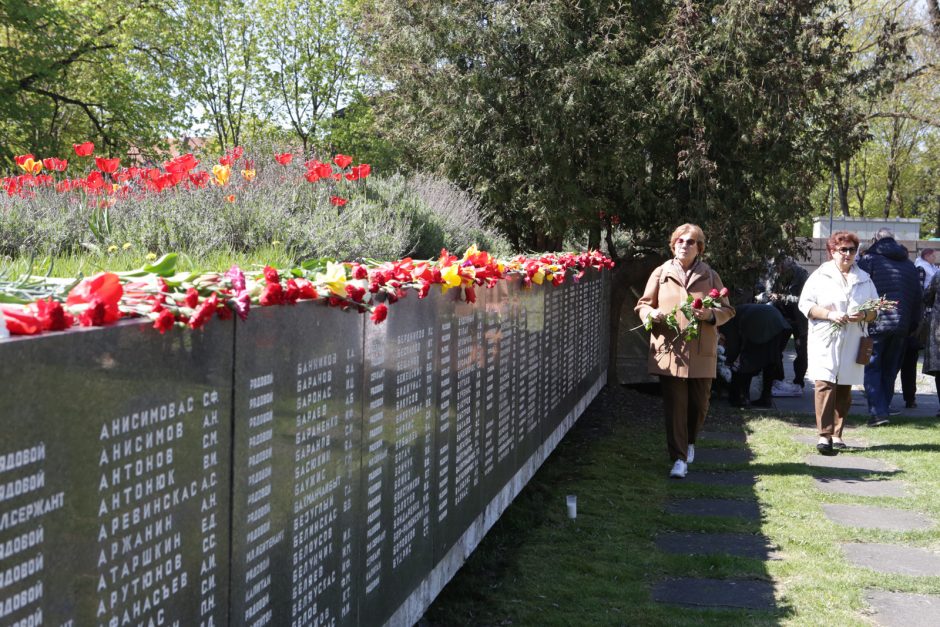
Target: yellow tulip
(221, 173)
(31, 167)
(538, 277)
(470, 251)
(334, 278)
(248, 175)
(451, 277)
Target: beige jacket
(665, 289)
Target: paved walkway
(853, 473)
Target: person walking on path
(932, 339)
(895, 277)
(686, 365)
(926, 262)
(831, 296)
(782, 287)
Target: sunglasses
(847, 250)
(689, 242)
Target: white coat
(833, 359)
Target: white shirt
(831, 356)
(929, 270)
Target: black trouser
(909, 369)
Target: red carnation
(470, 294)
(292, 293)
(379, 314)
(307, 290)
(355, 292)
(164, 321)
(204, 312)
(192, 298)
(271, 275)
(359, 272)
(52, 315)
(273, 295)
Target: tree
(71, 71)
(311, 57)
(722, 113)
(216, 54)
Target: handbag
(865, 346)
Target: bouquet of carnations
(692, 331)
(875, 304)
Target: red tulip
(19, 320)
(100, 295)
(94, 180)
(311, 176)
(21, 159)
(283, 158)
(337, 201)
(362, 170)
(342, 161)
(84, 150)
(108, 166)
(56, 165)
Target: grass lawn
(536, 567)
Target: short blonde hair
(691, 229)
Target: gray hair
(884, 232)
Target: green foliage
(719, 113)
(71, 71)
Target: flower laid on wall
(192, 299)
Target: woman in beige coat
(685, 368)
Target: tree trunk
(842, 186)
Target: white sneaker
(690, 454)
(679, 469)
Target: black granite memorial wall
(303, 467)
(114, 477)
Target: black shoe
(763, 403)
(825, 448)
(910, 404)
(877, 421)
(839, 446)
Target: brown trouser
(685, 402)
(832, 406)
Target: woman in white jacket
(832, 295)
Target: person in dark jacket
(754, 342)
(782, 287)
(895, 277)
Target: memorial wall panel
(530, 371)
(297, 501)
(323, 488)
(398, 455)
(497, 368)
(114, 477)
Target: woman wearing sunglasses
(831, 296)
(686, 367)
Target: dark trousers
(909, 369)
(801, 362)
(882, 371)
(685, 403)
